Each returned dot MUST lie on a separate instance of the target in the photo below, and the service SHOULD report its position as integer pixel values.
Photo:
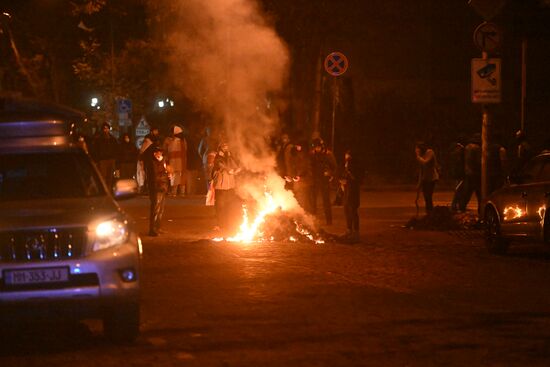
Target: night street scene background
(263, 273)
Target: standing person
(223, 176)
(105, 152)
(150, 142)
(456, 171)
(157, 183)
(207, 152)
(193, 165)
(282, 157)
(127, 157)
(323, 166)
(497, 164)
(472, 171)
(428, 173)
(175, 147)
(299, 171)
(524, 152)
(351, 178)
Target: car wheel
(494, 241)
(121, 323)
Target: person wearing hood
(175, 148)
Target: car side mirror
(125, 189)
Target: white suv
(66, 247)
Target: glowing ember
(512, 212)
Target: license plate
(36, 276)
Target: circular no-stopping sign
(336, 64)
(488, 37)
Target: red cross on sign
(336, 64)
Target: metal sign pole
(485, 127)
(335, 95)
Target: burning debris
(443, 219)
(273, 224)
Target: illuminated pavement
(399, 298)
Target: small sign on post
(336, 63)
(488, 37)
(486, 80)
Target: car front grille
(42, 245)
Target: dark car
(518, 210)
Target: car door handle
(524, 194)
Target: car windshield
(27, 176)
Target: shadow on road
(24, 339)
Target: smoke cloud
(228, 60)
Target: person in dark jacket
(472, 171)
(158, 182)
(150, 142)
(105, 150)
(127, 157)
(299, 172)
(323, 166)
(351, 177)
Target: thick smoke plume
(230, 62)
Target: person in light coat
(175, 148)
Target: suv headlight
(110, 233)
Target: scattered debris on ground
(442, 218)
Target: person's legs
(427, 191)
(159, 210)
(218, 204)
(457, 197)
(326, 202)
(152, 206)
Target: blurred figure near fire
(207, 152)
(127, 157)
(428, 173)
(351, 177)
(175, 148)
(223, 180)
(283, 153)
(299, 173)
(323, 166)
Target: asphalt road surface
(399, 298)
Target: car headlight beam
(110, 233)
